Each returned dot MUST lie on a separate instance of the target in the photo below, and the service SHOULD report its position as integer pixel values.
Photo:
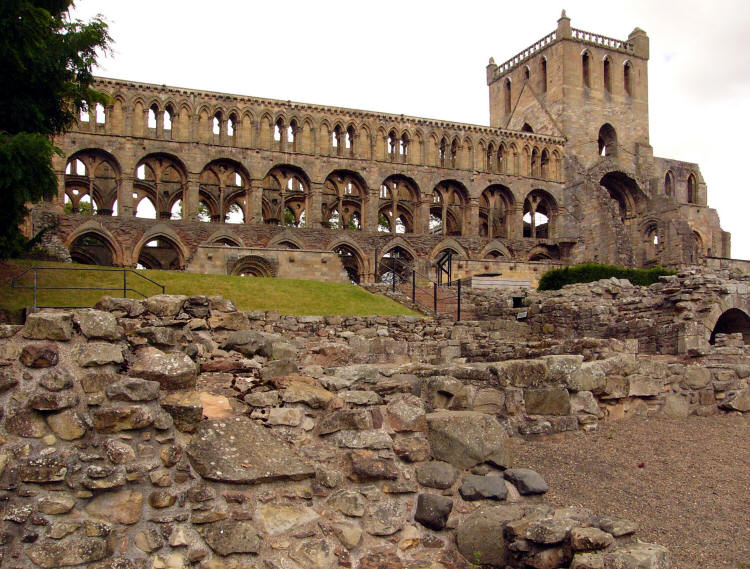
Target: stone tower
(591, 89)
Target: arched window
(585, 69)
(543, 74)
(607, 140)
(392, 145)
(442, 152)
(544, 164)
(291, 135)
(167, 120)
(279, 134)
(152, 112)
(526, 73)
(490, 157)
(507, 96)
(100, 115)
(350, 140)
(83, 115)
(607, 75)
(627, 73)
(692, 189)
(527, 128)
(454, 153)
(337, 141)
(669, 183)
(538, 211)
(231, 126)
(404, 146)
(217, 124)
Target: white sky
(428, 58)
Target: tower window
(607, 75)
(585, 67)
(507, 96)
(543, 70)
(627, 72)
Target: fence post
(458, 309)
(34, 307)
(434, 297)
(124, 283)
(413, 286)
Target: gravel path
(685, 482)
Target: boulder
(433, 511)
(527, 481)
(476, 487)
(231, 536)
(239, 450)
(186, 409)
(165, 305)
(171, 370)
(467, 438)
(39, 355)
(437, 474)
(76, 550)
(123, 507)
(97, 324)
(638, 556)
(133, 389)
(739, 401)
(547, 401)
(48, 325)
(480, 537)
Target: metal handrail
(36, 287)
(445, 288)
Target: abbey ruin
(564, 173)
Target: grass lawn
(286, 295)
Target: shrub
(590, 272)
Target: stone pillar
(313, 212)
(190, 197)
(472, 219)
(160, 124)
(515, 222)
(422, 214)
(125, 205)
(254, 202)
(370, 221)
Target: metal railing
(36, 287)
(404, 278)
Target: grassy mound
(293, 297)
(590, 272)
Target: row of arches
(607, 72)
(164, 250)
(286, 196)
(302, 133)
(691, 186)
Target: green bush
(590, 272)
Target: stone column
(472, 219)
(314, 204)
(125, 205)
(254, 202)
(190, 197)
(515, 222)
(370, 221)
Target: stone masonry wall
(179, 432)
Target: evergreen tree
(46, 62)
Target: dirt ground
(685, 482)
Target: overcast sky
(428, 58)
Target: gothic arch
(100, 232)
(162, 232)
(352, 258)
(544, 253)
(449, 244)
(252, 266)
(288, 237)
(225, 234)
(496, 246)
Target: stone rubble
(320, 442)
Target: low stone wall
(674, 316)
(178, 432)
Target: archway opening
(624, 191)
(730, 322)
(351, 261)
(92, 249)
(607, 140)
(160, 254)
(397, 263)
(253, 266)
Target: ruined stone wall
(176, 432)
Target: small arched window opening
(152, 116)
(454, 153)
(101, 117)
(669, 183)
(231, 126)
(392, 145)
(291, 135)
(535, 162)
(607, 75)
(526, 73)
(692, 189)
(732, 321)
(507, 96)
(442, 151)
(502, 159)
(404, 145)
(543, 74)
(167, 121)
(277, 131)
(607, 140)
(336, 139)
(490, 157)
(83, 115)
(350, 139)
(586, 69)
(544, 164)
(526, 128)
(627, 72)
(217, 124)
(146, 209)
